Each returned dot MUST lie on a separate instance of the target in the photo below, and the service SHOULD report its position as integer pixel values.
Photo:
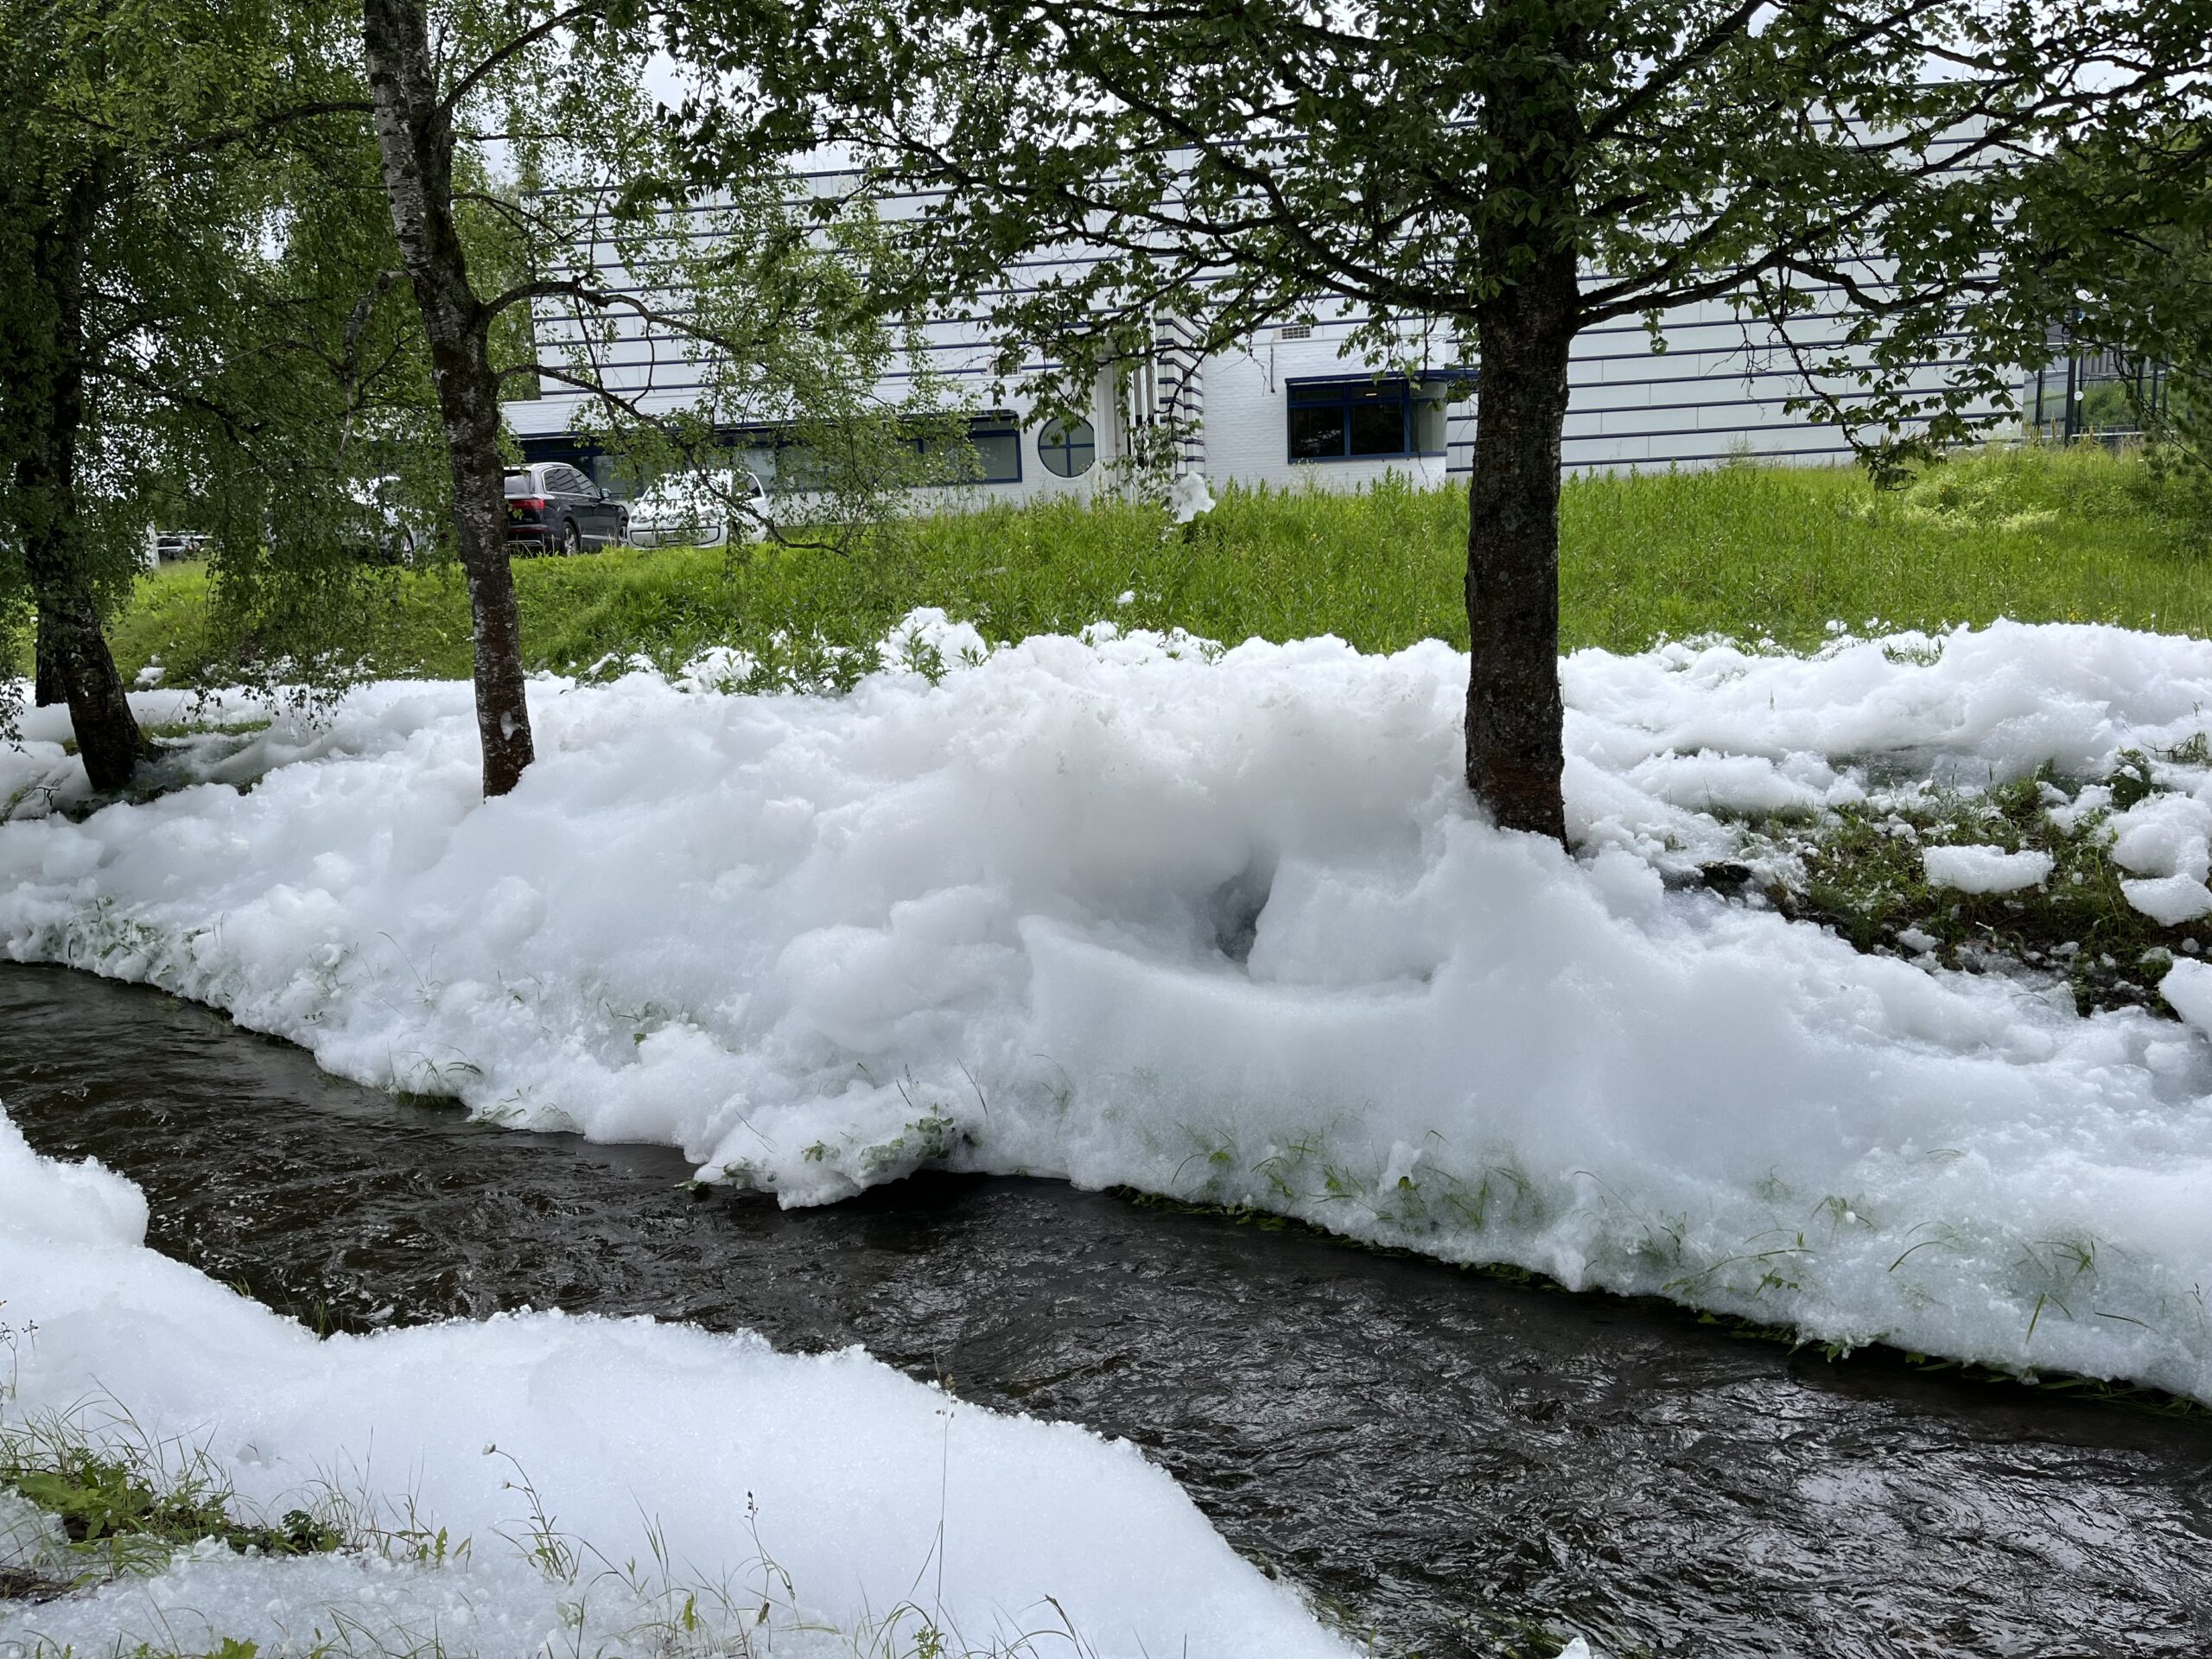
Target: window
(569, 481)
(1364, 419)
(997, 442)
(566, 449)
(760, 460)
(800, 467)
(1069, 448)
(608, 475)
(993, 441)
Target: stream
(1452, 1461)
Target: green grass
(100, 1500)
(124, 1505)
(1864, 877)
(2040, 534)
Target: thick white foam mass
(1984, 869)
(1225, 926)
(865, 1491)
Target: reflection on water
(1453, 1462)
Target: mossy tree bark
(1525, 322)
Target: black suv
(555, 508)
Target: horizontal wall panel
(1720, 387)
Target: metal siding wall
(1718, 391)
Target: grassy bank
(100, 1506)
(1757, 552)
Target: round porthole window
(1069, 447)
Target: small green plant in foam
(1213, 1172)
(1501, 1193)
(926, 1142)
(178, 730)
(124, 1503)
(1210, 1161)
(931, 1139)
(2062, 1272)
(37, 796)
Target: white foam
(868, 1491)
(2169, 900)
(1985, 869)
(2187, 990)
(2164, 835)
(1114, 910)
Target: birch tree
(131, 171)
(764, 300)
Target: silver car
(696, 510)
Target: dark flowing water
(1453, 1462)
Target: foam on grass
(533, 1482)
(1984, 869)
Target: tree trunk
(415, 141)
(1526, 317)
(75, 664)
(1514, 709)
(48, 689)
(108, 738)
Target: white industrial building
(1285, 409)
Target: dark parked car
(554, 507)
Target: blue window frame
(1365, 418)
(1069, 449)
(996, 441)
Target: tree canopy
(133, 172)
(270, 270)
(763, 320)
(2118, 259)
(1477, 183)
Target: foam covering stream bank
(1225, 925)
(865, 1491)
